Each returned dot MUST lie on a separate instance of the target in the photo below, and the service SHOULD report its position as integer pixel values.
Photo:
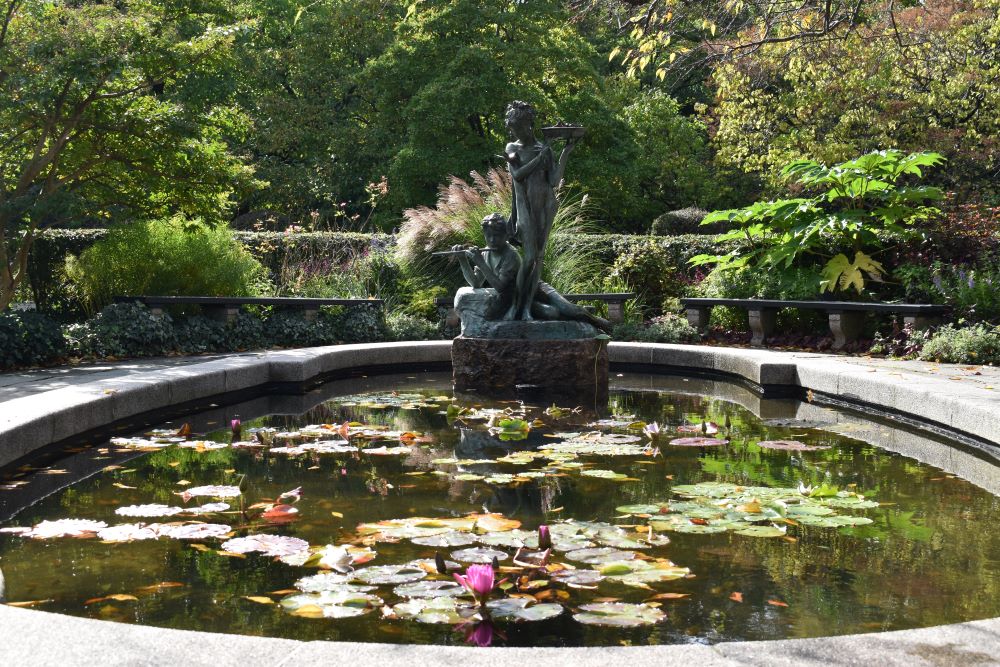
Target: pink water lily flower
(480, 580)
(544, 537)
(652, 430)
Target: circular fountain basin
(826, 379)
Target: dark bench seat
(615, 300)
(225, 308)
(846, 317)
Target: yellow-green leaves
(841, 273)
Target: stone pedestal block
(544, 370)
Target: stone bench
(225, 308)
(846, 317)
(615, 300)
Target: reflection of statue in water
(535, 174)
(499, 266)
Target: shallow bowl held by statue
(563, 131)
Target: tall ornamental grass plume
(457, 219)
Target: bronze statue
(500, 266)
(535, 174)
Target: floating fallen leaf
(339, 515)
(183, 482)
(122, 486)
(670, 596)
(736, 597)
(259, 599)
(160, 586)
(777, 603)
(201, 547)
(28, 603)
(230, 554)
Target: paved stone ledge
(954, 397)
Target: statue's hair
(495, 220)
(518, 109)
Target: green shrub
(978, 344)
(29, 339)
(246, 332)
(360, 324)
(402, 326)
(51, 289)
(123, 330)
(645, 269)
(668, 328)
(165, 258)
(684, 221)
(291, 329)
(197, 334)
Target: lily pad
(600, 555)
(761, 531)
(618, 614)
(452, 538)
(332, 604)
(511, 538)
(197, 531)
(269, 545)
(479, 555)
(215, 491)
(430, 589)
(389, 574)
(604, 474)
(522, 609)
(576, 578)
(327, 581)
(65, 528)
(435, 610)
(152, 510)
(698, 442)
(129, 532)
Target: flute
(459, 252)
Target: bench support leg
(916, 322)
(846, 327)
(156, 311)
(224, 314)
(616, 312)
(761, 324)
(309, 314)
(698, 317)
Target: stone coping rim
(22, 641)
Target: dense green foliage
(860, 206)
(977, 344)
(164, 258)
(110, 111)
(28, 339)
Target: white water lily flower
(336, 558)
(805, 490)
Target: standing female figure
(535, 174)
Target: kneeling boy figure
(497, 267)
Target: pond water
(328, 524)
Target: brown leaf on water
(119, 485)
(606, 600)
(154, 588)
(183, 482)
(184, 431)
(777, 603)
(308, 611)
(285, 591)
(552, 594)
(339, 515)
(259, 599)
(670, 596)
(200, 547)
(736, 597)
(230, 554)
(110, 468)
(28, 603)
